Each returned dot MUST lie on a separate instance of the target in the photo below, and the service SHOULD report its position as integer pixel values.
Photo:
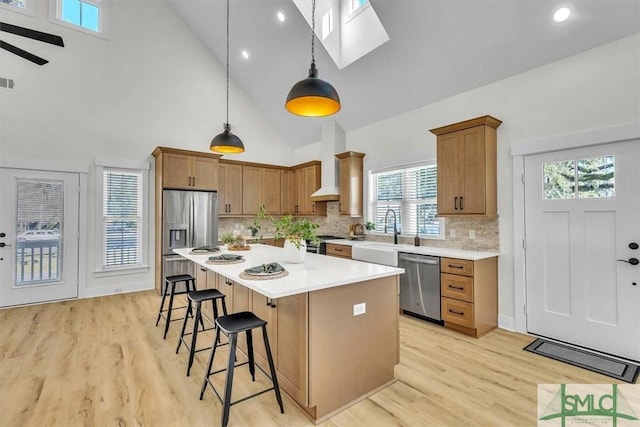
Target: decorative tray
(240, 248)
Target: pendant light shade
(313, 97)
(226, 142)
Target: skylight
(348, 29)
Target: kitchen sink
(377, 253)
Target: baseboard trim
(103, 291)
(506, 322)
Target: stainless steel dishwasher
(420, 285)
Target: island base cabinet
(287, 332)
(326, 358)
(351, 356)
(291, 343)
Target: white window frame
(353, 11)
(29, 9)
(406, 211)
(102, 165)
(55, 16)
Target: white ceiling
(437, 48)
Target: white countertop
(424, 250)
(315, 273)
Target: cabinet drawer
(339, 250)
(456, 287)
(456, 266)
(458, 312)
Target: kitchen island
(327, 357)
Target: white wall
(595, 89)
(152, 83)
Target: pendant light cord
(228, 62)
(313, 31)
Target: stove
(321, 248)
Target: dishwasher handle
(419, 259)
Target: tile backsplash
(485, 230)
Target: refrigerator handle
(192, 221)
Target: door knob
(632, 261)
(3, 244)
(632, 245)
(3, 235)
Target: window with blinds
(122, 218)
(410, 192)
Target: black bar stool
(197, 298)
(170, 289)
(232, 325)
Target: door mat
(586, 359)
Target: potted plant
(295, 233)
(370, 226)
(227, 239)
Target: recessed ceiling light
(245, 54)
(281, 16)
(561, 14)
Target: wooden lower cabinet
(340, 251)
(322, 353)
(469, 291)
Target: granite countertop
(317, 272)
(423, 250)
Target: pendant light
(313, 97)
(226, 142)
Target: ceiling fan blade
(22, 53)
(32, 34)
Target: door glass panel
(559, 180)
(596, 177)
(39, 230)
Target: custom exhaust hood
(332, 143)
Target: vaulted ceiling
(437, 48)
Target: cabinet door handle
(455, 203)
(194, 183)
(461, 208)
(313, 207)
(460, 288)
(455, 266)
(459, 313)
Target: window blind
(122, 218)
(411, 193)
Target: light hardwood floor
(102, 362)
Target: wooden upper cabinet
(187, 170)
(287, 192)
(307, 182)
(351, 181)
(272, 190)
(466, 159)
(261, 187)
(230, 193)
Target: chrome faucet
(395, 229)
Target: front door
(38, 236)
(582, 235)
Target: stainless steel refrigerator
(189, 219)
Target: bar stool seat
(197, 298)
(170, 290)
(231, 325)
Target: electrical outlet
(359, 309)
(472, 234)
(452, 233)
